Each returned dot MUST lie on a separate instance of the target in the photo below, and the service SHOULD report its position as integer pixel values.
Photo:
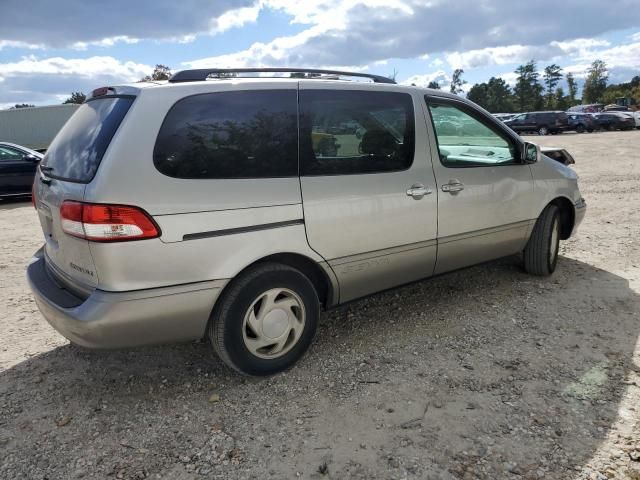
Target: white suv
(235, 208)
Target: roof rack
(200, 74)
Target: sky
(51, 49)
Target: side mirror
(530, 153)
(31, 158)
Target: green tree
(76, 97)
(160, 72)
(573, 89)
(551, 77)
(21, 105)
(478, 94)
(456, 81)
(629, 90)
(495, 95)
(528, 90)
(560, 102)
(499, 96)
(434, 85)
(595, 83)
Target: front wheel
(580, 129)
(265, 320)
(541, 252)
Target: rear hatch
(71, 162)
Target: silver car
(235, 208)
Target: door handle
(417, 191)
(453, 186)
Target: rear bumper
(124, 319)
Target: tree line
(531, 91)
(535, 92)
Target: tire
(580, 128)
(543, 130)
(238, 323)
(541, 253)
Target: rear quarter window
(77, 150)
(239, 134)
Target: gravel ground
(485, 373)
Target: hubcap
(273, 323)
(554, 242)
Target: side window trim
(500, 130)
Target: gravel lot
(485, 373)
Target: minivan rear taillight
(106, 223)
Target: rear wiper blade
(46, 168)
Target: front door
(485, 193)
(368, 188)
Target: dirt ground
(485, 373)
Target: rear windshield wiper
(46, 168)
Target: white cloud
(348, 32)
(45, 80)
(19, 44)
(439, 76)
(235, 18)
(83, 67)
(73, 23)
(105, 42)
(493, 56)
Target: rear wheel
(265, 320)
(541, 252)
(580, 128)
(543, 130)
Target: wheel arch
(320, 274)
(567, 216)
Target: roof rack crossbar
(200, 74)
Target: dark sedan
(582, 122)
(17, 169)
(614, 121)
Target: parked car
(209, 208)
(504, 116)
(634, 115)
(615, 121)
(17, 168)
(582, 122)
(590, 108)
(541, 122)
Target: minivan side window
(238, 134)
(348, 132)
(467, 141)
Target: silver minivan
(235, 208)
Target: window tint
(243, 134)
(465, 141)
(8, 153)
(345, 132)
(77, 150)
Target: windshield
(77, 150)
